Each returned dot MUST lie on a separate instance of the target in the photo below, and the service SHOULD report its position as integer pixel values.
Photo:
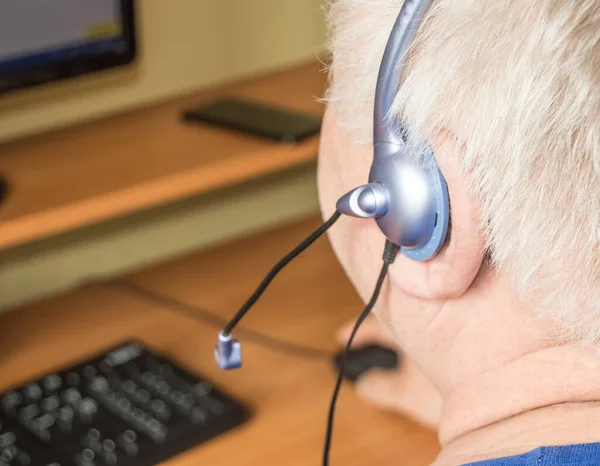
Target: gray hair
(517, 82)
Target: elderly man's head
(508, 92)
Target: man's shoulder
(587, 454)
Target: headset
(406, 195)
(407, 198)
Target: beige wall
(185, 45)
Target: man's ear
(453, 270)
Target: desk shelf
(75, 177)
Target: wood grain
(104, 169)
(289, 395)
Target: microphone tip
(228, 352)
(369, 201)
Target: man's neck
(544, 398)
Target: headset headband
(390, 72)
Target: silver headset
(407, 198)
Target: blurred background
(101, 174)
(157, 158)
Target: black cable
(389, 255)
(388, 258)
(209, 318)
(275, 270)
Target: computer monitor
(43, 41)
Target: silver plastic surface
(228, 352)
(410, 203)
(390, 71)
(411, 214)
(366, 201)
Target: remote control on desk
(125, 407)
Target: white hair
(518, 83)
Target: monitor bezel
(13, 81)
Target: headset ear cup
(439, 235)
(418, 210)
(411, 203)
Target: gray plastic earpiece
(408, 199)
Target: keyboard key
(129, 386)
(33, 392)
(11, 401)
(90, 371)
(98, 384)
(108, 445)
(44, 422)
(143, 396)
(7, 439)
(163, 388)
(199, 415)
(94, 435)
(51, 403)
(73, 378)
(87, 407)
(65, 414)
(71, 396)
(7, 454)
(129, 436)
(202, 389)
(110, 457)
(52, 382)
(160, 409)
(86, 458)
(29, 412)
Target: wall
(185, 45)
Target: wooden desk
(289, 394)
(145, 158)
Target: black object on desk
(362, 359)
(125, 407)
(257, 119)
(3, 189)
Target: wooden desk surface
(290, 395)
(104, 169)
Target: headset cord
(389, 256)
(275, 270)
(206, 317)
(209, 318)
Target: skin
(481, 369)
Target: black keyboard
(125, 407)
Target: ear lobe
(453, 270)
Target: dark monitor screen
(43, 41)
